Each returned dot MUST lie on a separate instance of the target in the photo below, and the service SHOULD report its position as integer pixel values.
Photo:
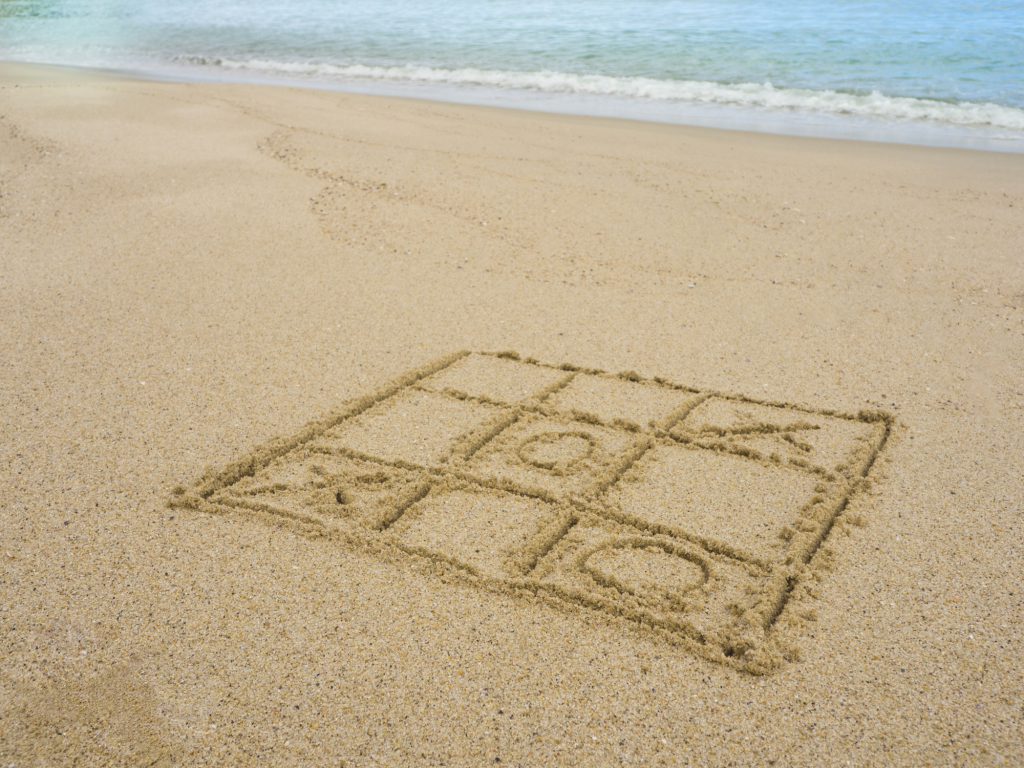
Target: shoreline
(792, 123)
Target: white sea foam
(756, 95)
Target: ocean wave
(757, 95)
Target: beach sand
(789, 534)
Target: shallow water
(957, 65)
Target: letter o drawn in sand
(557, 452)
(647, 568)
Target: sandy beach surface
(492, 559)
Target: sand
(747, 492)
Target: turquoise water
(943, 64)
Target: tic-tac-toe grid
(686, 511)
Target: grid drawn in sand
(693, 516)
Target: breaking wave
(757, 95)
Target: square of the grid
(412, 427)
(492, 377)
(490, 531)
(827, 443)
(714, 496)
(331, 488)
(560, 457)
(651, 577)
(616, 399)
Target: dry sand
(790, 534)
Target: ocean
(947, 72)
